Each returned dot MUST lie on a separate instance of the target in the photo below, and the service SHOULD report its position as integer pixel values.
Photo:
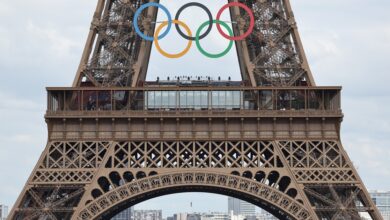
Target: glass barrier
(284, 99)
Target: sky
(347, 43)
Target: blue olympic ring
(138, 13)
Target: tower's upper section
(115, 56)
(273, 54)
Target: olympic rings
(251, 24)
(200, 6)
(209, 55)
(230, 36)
(138, 13)
(177, 22)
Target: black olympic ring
(208, 14)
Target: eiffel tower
(272, 139)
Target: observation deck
(192, 100)
(188, 110)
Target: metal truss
(338, 201)
(49, 202)
(115, 55)
(317, 161)
(284, 154)
(97, 179)
(125, 188)
(273, 54)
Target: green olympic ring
(207, 54)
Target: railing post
(82, 100)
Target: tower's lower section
(98, 179)
(279, 149)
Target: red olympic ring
(251, 24)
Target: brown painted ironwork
(277, 145)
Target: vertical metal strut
(114, 55)
(273, 54)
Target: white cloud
(60, 45)
(322, 44)
(370, 157)
(5, 43)
(10, 103)
(5, 9)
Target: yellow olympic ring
(178, 55)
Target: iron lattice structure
(111, 147)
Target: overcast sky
(347, 43)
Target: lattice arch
(116, 199)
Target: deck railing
(187, 100)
